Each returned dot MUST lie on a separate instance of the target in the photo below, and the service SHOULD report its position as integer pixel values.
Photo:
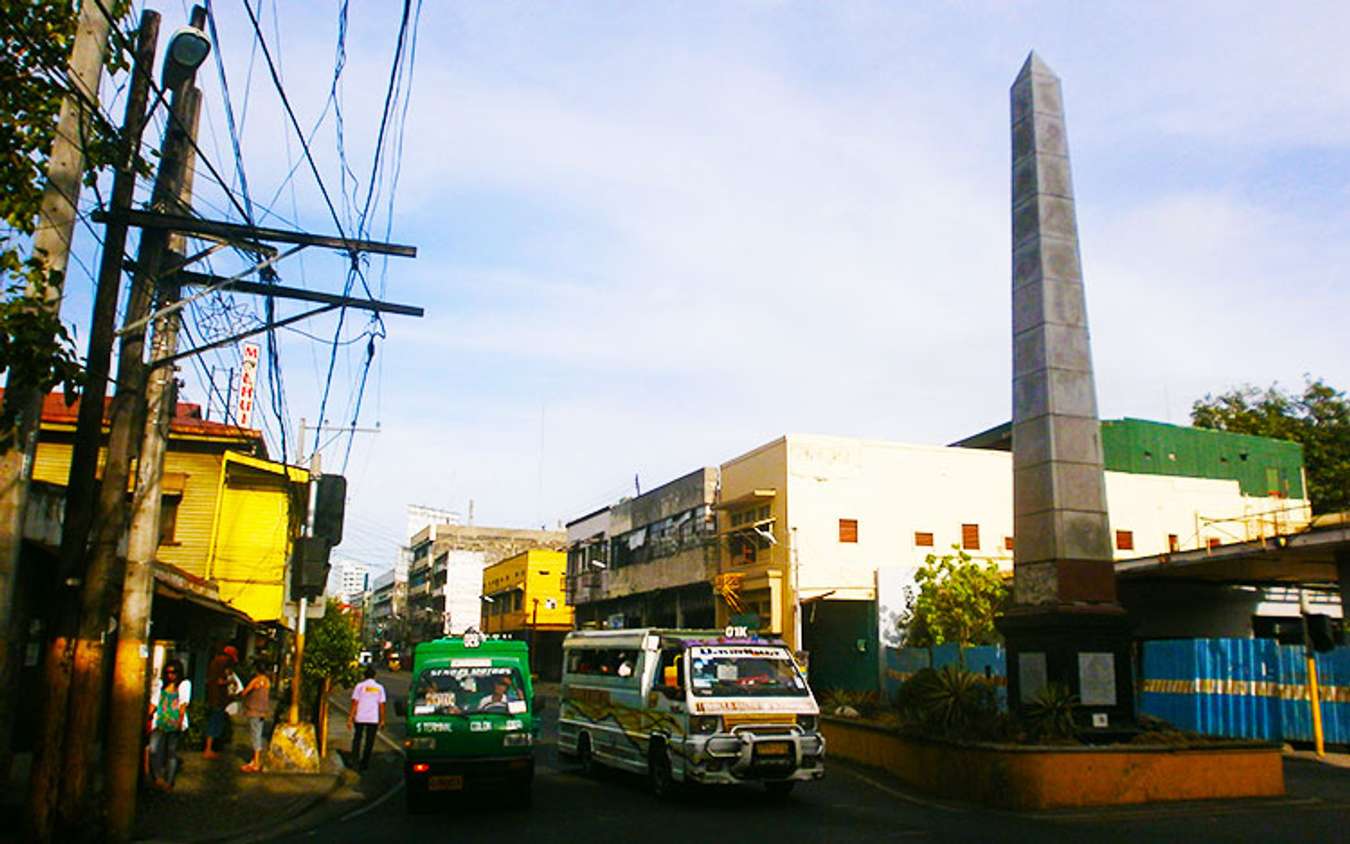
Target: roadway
(850, 804)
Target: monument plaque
(1097, 679)
(1031, 675)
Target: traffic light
(1321, 632)
(330, 505)
(309, 567)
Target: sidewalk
(215, 801)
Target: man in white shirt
(365, 717)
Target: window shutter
(848, 530)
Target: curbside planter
(1053, 777)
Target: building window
(1007, 543)
(168, 519)
(1173, 543)
(970, 537)
(1124, 540)
(848, 530)
(922, 539)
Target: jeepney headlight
(808, 723)
(520, 739)
(422, 743)
(705, 725)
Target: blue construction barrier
(1238, 688)
(1244, 688)
(987, 660)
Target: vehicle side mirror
(401, 707)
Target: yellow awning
(294, 473)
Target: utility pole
(82, 702)
(127, 707)
(51, 245)
(315, 472)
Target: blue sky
(655, 236)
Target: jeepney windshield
(744, 671)
(469, 690)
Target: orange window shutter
(970, 537)
(848, 530)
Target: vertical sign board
(248, 376)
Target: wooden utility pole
(51, 245)
(86, 677)
(127, 707)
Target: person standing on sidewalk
(169, 719)
(219, 675)
(366, 717)
(257, 698)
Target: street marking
(908, 798)
(356, 813)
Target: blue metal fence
(902, 663)
(1244, 688)
(1239, 688)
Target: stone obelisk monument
(1065, 625)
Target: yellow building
(525, 597)
(755, 582)
(227, 513)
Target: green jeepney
(469, 718)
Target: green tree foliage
(332, 645)
(37, 37)
(956, 600)
(1318, 419)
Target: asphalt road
(850, 804)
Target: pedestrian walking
(169, 717)
(220, 677)
(365, 717)
(257, 699)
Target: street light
(188, 48)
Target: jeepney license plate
(773, 748)
(445, 783)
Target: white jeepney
(689, 706)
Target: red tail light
(421, 767)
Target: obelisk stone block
(1065, 626)
(1059, 494)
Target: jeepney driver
(501, 695)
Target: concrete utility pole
(315, 472)
(51, 244)
(86, 676)
(127, 707)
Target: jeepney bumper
(438, 775)
(744, 756)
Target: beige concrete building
(445, 576)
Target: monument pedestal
(1087, 648)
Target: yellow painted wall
(258, 518)
(763, 468)
(237, 534)
(197, 465)
(541, 574)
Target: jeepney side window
(581, 661)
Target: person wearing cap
(219, 676)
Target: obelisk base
(1087, 648)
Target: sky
(654, 236)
